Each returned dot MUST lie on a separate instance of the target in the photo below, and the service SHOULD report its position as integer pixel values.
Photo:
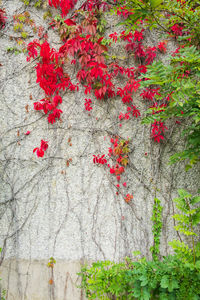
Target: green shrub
(174, 277)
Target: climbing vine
(157, 228)
(85, 47)
(169, 92)
(173, 277)
(2, 18)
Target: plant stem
(193, 247)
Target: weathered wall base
(30, 280)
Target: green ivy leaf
(155, 3)
(164, 282)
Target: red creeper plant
(2, 18)
(99, 160)
(51, 78)
(118, 152)
(64, 5)
(40, 150)
(84, 46)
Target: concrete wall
(72, 213)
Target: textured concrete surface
(72, 213)
(30, 280)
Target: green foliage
(157, 227)
(164, 14)
(14, 50)
(187, 222)
(18, 27)
(179, 79)
(174, 277)
(103, 280)
(51, 262)
(101, 26)
(143, 280)
(140, 10)
(24, 34)
(105, 42)
(47, 14)
(36, 3)
(183, 94)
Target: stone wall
(72, 213)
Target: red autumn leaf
(128, 198)
(69, 22)
(27, 133)
(162, 47)
(112, 171)
(2, 18)
(39, 152)
(44, 145)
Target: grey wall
(72, 213)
